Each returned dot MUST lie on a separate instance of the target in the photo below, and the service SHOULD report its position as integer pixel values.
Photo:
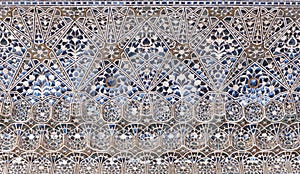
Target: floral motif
(149, 88)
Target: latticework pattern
(149, 89)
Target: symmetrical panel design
(149, 89)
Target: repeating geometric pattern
(104, 89)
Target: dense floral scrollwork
(149, 89)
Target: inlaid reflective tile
(149, 87)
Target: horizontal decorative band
(153, 3)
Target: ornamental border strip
(153, 3)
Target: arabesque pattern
(146, 89)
